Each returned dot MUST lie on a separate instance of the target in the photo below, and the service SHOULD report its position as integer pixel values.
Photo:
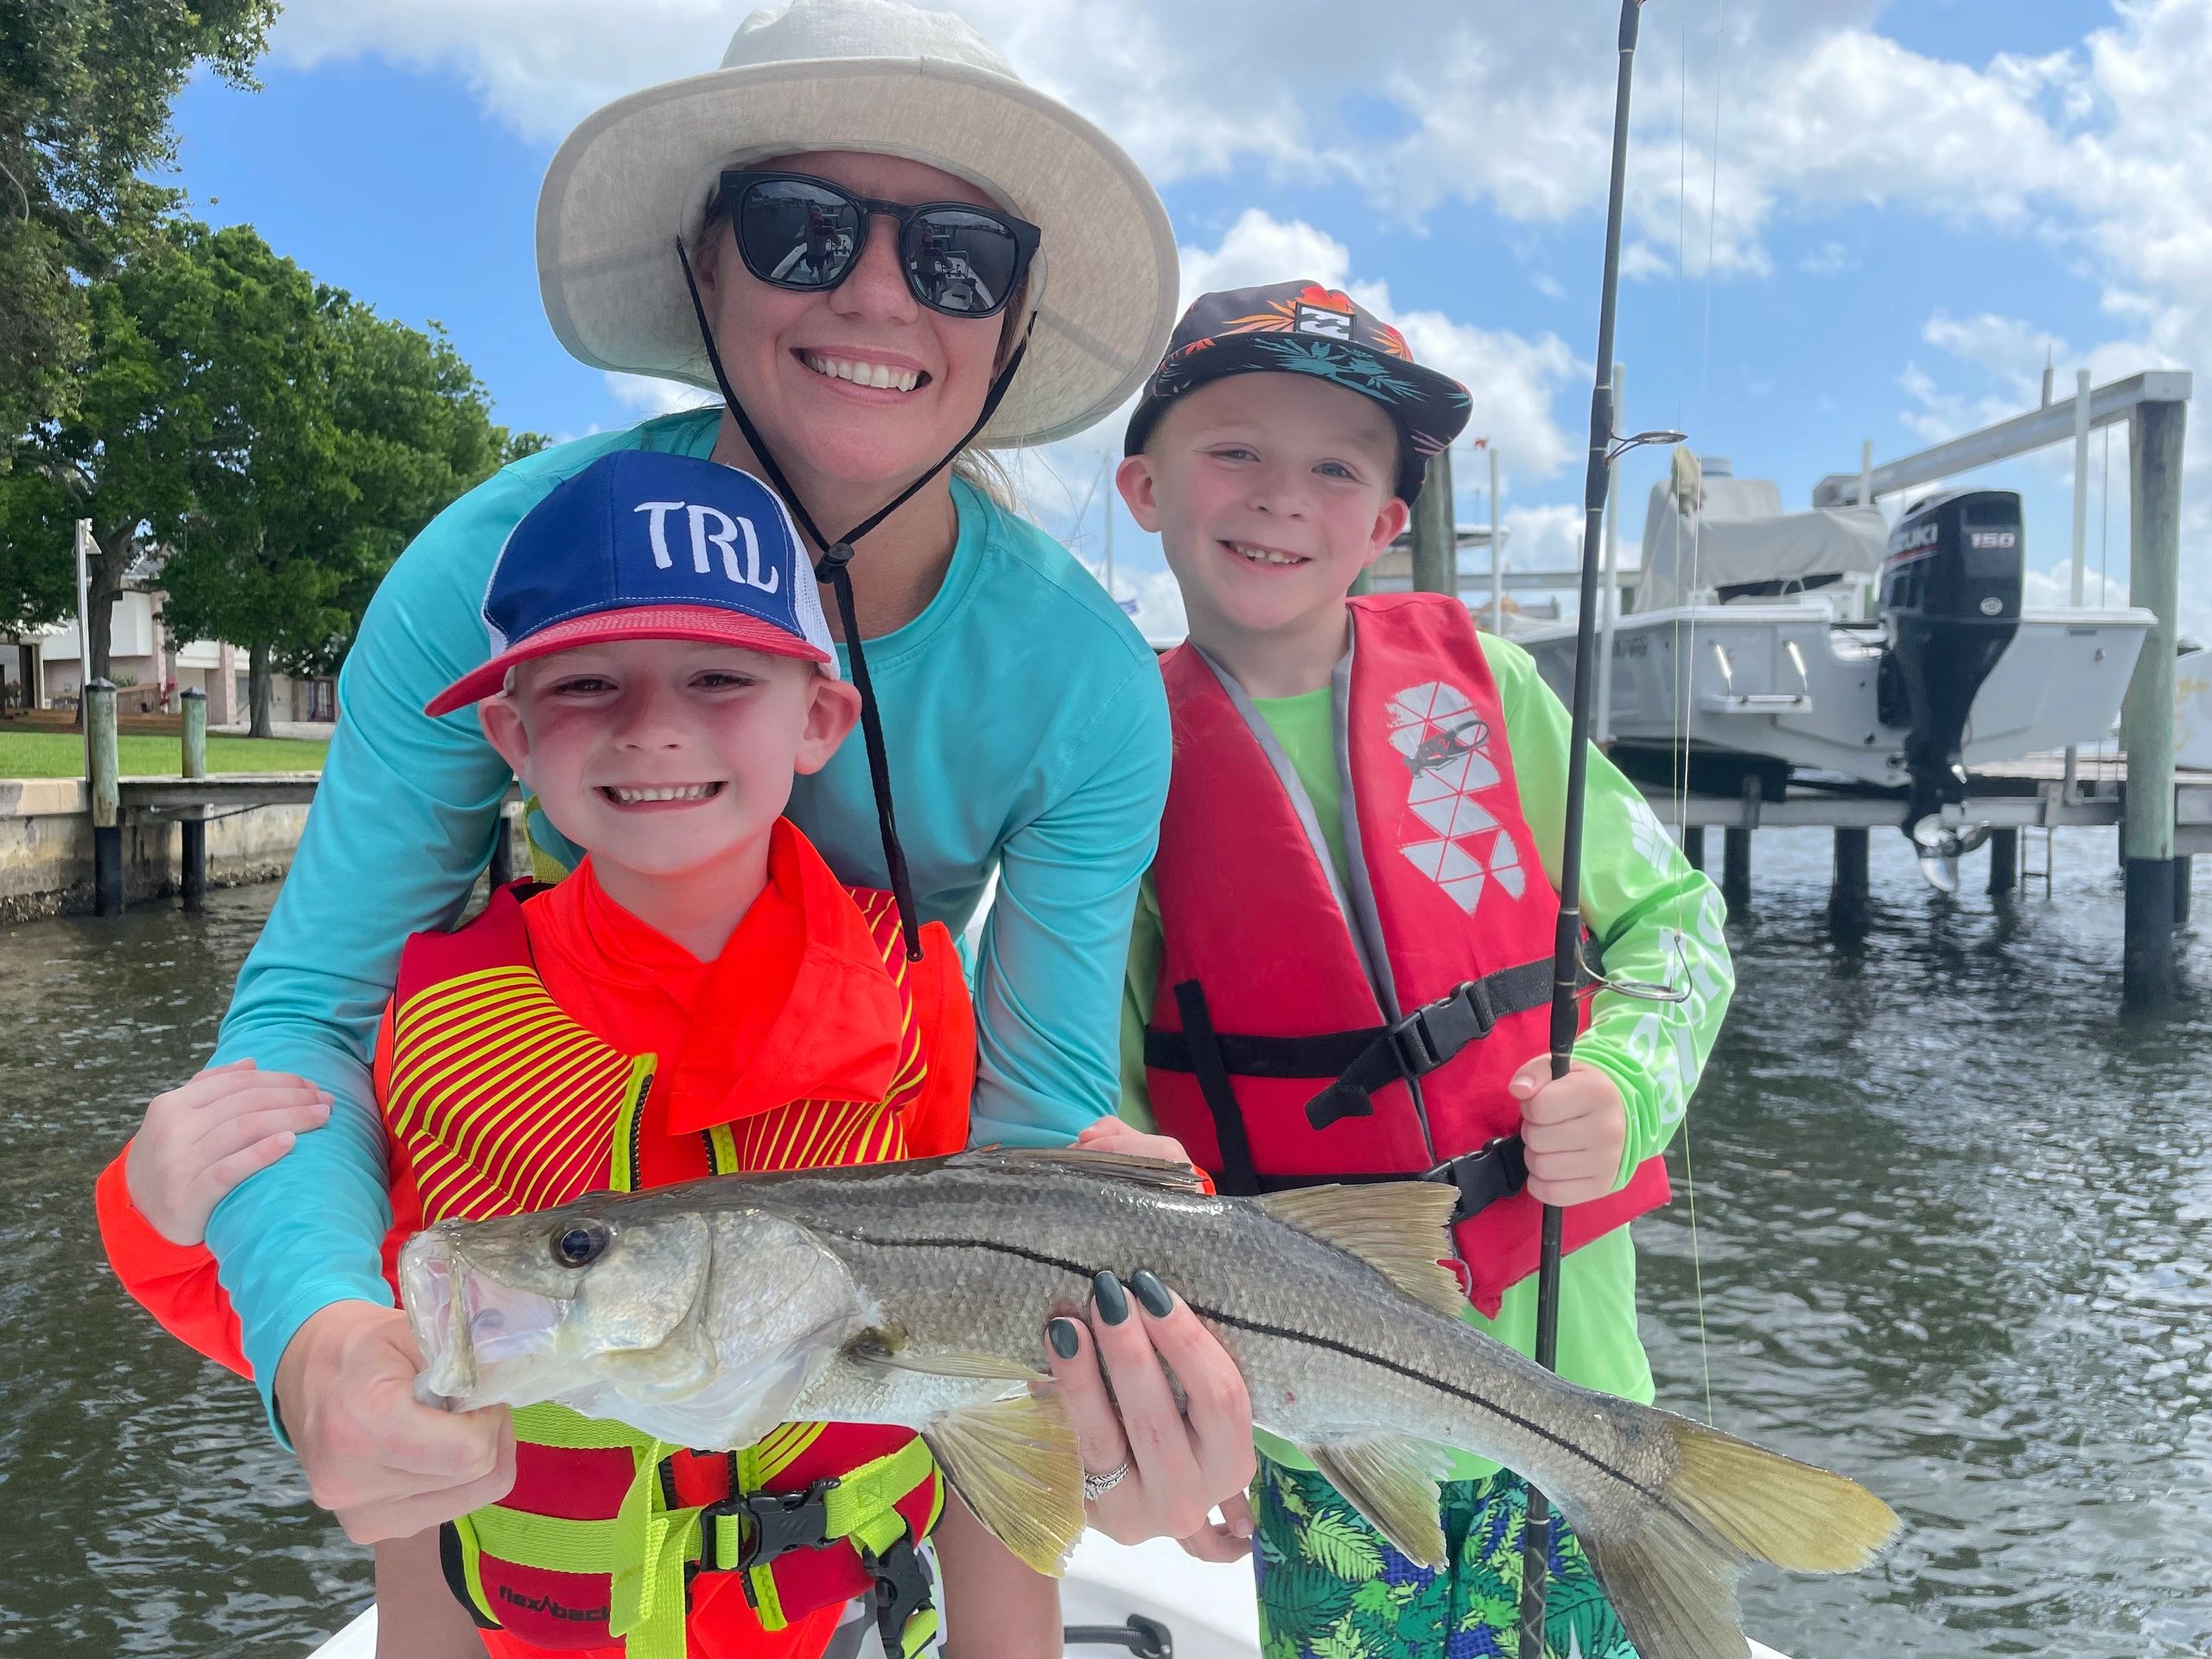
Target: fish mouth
(474, 1332)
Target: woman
(861, 344)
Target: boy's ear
(833, 709)
(503, 728)
(1389, 525)
(1133, 478)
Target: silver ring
(1096, 1486)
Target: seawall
(46, 847)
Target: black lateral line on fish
(1281, 1333)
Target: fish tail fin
(1669, 1564)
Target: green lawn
(61, 754)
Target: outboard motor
(1950, 605)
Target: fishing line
(1705, 406)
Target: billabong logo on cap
(1316, 319)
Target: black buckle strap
(1436, 1032)
(904, 1586)
(1238, 1174)
(1431, 1036)
(782, 1522)
(1497, 1170)
(1414, 1047)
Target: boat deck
(1207, 1609)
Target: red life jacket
(503, 1104)
(1275, 981)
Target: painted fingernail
(1153, 1294)
(1061, 1334)
(1106, 1292)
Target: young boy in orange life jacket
(700, 996)
(1341, 967)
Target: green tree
(84, 92)
(37, 569)
(337, 436)
(121, 458)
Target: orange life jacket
(502, 1103)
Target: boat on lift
(1830, 645)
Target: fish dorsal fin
(1398, 1227)
(1071, 1160)
(1389, 1482)
(1014, 1463)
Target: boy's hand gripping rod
(1567, 975)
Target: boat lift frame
(2154, 406)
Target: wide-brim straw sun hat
(884, 77)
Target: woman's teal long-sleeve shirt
(1027, 732)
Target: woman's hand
(200, 1140)
(1156, 1472)
(1181, 1464)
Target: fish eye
(581, 1243)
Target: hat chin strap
(830, 568)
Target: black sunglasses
(796, 232)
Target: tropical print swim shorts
(1331, 1588)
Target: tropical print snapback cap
(1304, 328)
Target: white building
(151, 670)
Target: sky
(1848, 220)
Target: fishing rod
(1568, 976)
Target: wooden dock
(2026, 794)
(224, 792)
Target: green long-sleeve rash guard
(1659, 922)
(1027, 733)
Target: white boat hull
(1787, 681)
(1208, 1609)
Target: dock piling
(1849, 895)
(107, 815)
(1693, 845)
(2184, 868)
(194, 887)
(1736, 852)
(2003, 862)
(2156, 432)
(1436, 540)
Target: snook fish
(915, 1294)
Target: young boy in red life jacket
(1341, 966)
(701, 996)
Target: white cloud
(1513, 379)
(2042, 590)
(1829, 259)
(1757, 117)
(1159, 611)
(1543, 537)
(650, 396)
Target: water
(1954, 1228)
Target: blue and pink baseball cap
(646, 546)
